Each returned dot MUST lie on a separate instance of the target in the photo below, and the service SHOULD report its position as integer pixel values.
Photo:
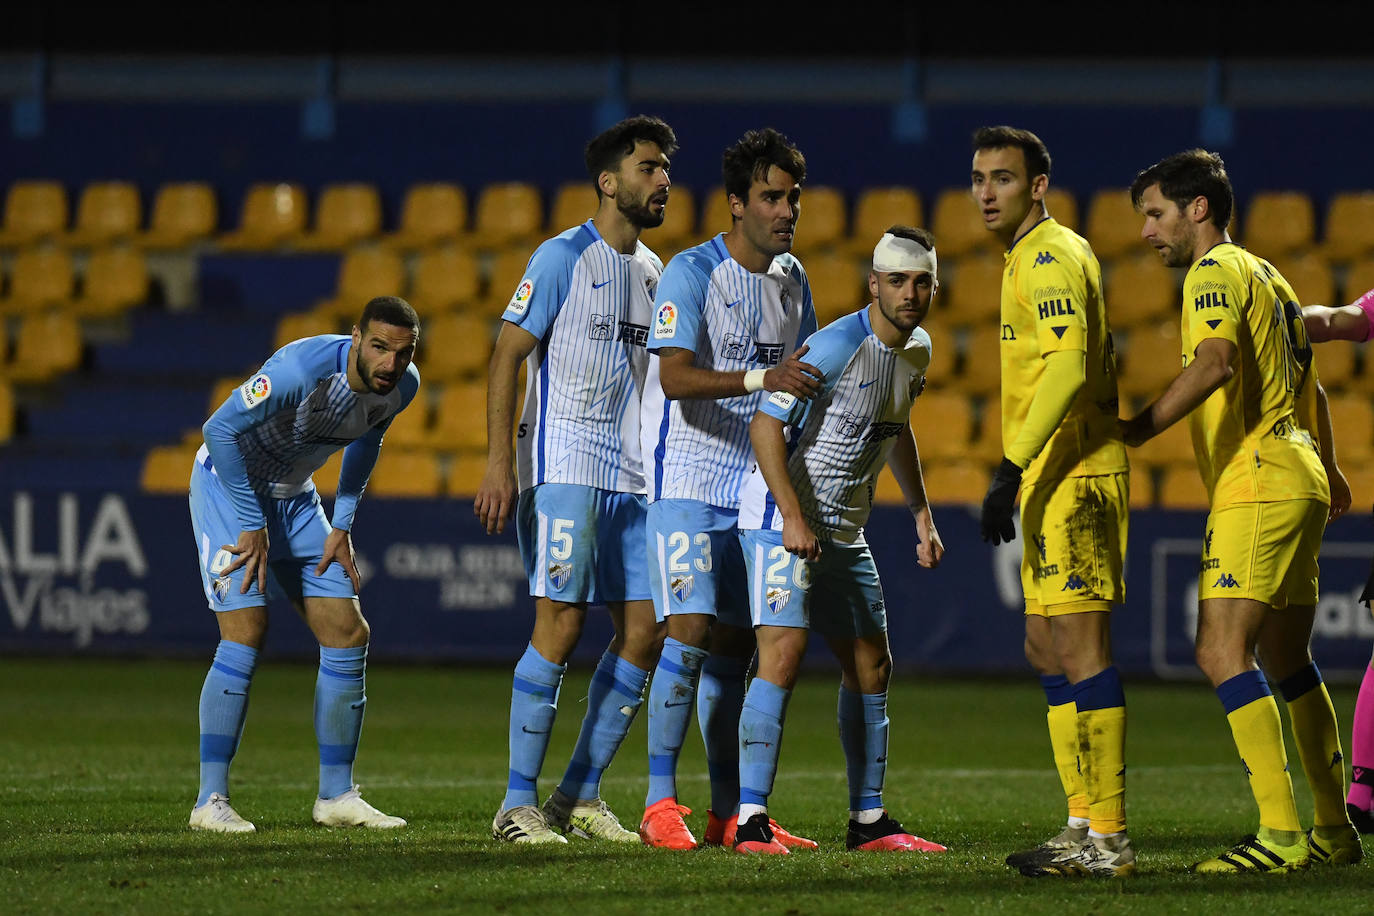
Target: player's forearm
(502, 376)
(694, 382)
(770, 451)
(1210, 369)
(905, 463)
(1347, 322)
(359, 458)
(1064, 376)
(1326, 440)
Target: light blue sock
(339, 702)
(223, 706)
(670, 712)
(615, 694)
(863, 734)
(719, 698)
(760, 739)
(533, 704)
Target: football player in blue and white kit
(260, 530)
(726, 313)
(801, 525)
(580, 319)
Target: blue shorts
(839, 595)
(582, 545)
(695, 564)
(296, 532)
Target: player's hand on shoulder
(799, 539)
(795, 377)
(250, 555)
(495, 499)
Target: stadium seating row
(276, 215)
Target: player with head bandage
(801, 522)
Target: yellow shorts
(1073, 534)
(1263, 551)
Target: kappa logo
(221, 588)
(665, 321)
(1074, 583)
(734, 346)
(1044, 257)
(777, 598)
(560, 573)
(1207, 262)
(256, 390)
(1226, 580)
(601, 327)
(682, 586)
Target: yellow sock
(1317, 734)
(1102, 734)
(1063, 723)
(1259, 740)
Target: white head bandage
(893, 254)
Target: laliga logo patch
(777, 598)
(665, 321)
(256, 390)
(782, 399)
(521, 300)
(560, 573)
(682, 586)
(221, 588)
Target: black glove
(996, 523)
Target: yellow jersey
(1249, 435)
(1052, 300)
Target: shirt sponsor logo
(881, 431)
(521, 300)
(1051, 308)
(1210, 301)
(257, 390)
(636, 335)
(665, 321)
(768, 354)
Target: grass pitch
(98, 773)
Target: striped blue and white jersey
(589, 306)
(841, 439)
(278, 428)
(731, 319)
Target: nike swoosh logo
(596, 285)
(764, 743)
(358, 705)
(531, 731)
(683, 703)
(236, 693)
(867, 383)
(731, 305)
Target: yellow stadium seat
(1278, 222)
(972, 288)
(958, 225)
(184, 213)
(1310, 275)
(296, 325)
(508, 213)
(431, 213)
(715, 213)
(982, 363)
(446, 278)
(460, 420)
(1181, 488)
(1336, 361)
(406, 474)
(1113, 227)
(4, 346)
(505, 272)
(574, 203)
(345, 215)
(943, 424)
(465, 473)
(986, 447)
(1352, 426)
(678, 231)
(1061, 205)
(1139, 289)
(273, 215)
(454, 346)
(838, 285)
(364, 274)
(107, 211)
(1142, 482)
(410, 427)
(41, 277)
(1173, 447)
(327, 477)
(1349, 226)
(221, 391)
(1152, 357)
(167, 469)
(7, 409)
(1359, 279)
(116, 280)
(34, 211)
(822, 223)
(49, 344)
(1361, 480)
(875, 210)
(956, 483)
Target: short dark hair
(389, 310)
(1186, 176)
(1036, 154)
(750, 158)
(912, 234)
(606, 150)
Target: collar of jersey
(1029, 233)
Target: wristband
(753, 380)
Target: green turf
(98, 773)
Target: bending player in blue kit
(801, 527)
(580, 319)
(260, 530)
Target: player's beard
(638, 212)
(369, 378)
